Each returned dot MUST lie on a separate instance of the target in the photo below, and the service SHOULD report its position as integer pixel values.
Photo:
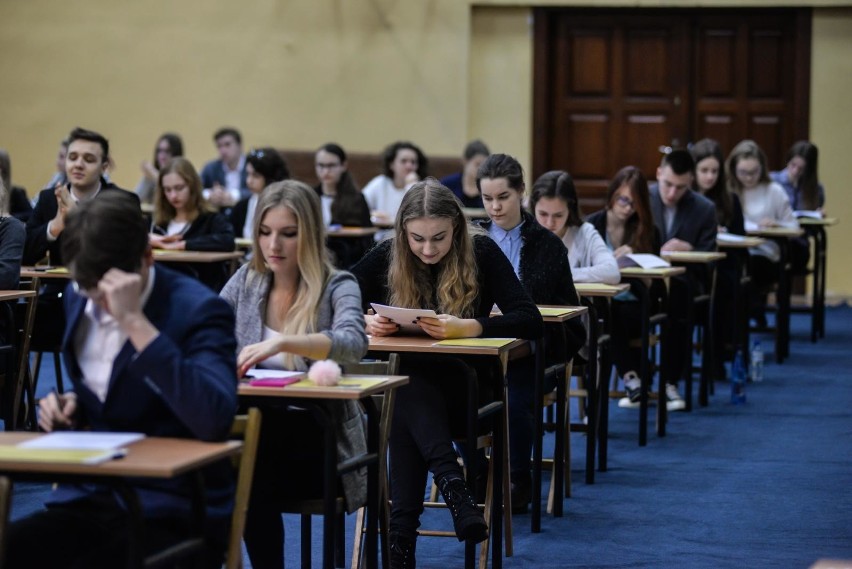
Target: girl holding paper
(292, 307)
(435, 260)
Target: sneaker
(633, 386)
(673, 399)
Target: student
(434, 261)
(540, 261)
(148, 351)
(224, 179)
(85, 163)
(710, 182)
(18, 204)
(404, 164)
(799, 178)
(168, 146)
(184, 222)
(627, 226)
(264, 166)
(13, 234)
(292, 308)
(555, 206)
(463, 184)
(687, 222)
(765, 204)
(342, 204)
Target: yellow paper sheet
(477, 342)
(64, 456)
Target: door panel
(612, 86)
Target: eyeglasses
(87, 293)
(748, 173)
(328, 166)
(624, 200)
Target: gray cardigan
(340, 318)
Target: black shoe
(521, 493)
(402, 550)
(467, 519)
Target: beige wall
(298, 73)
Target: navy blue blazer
(694, 221)
(183, 384)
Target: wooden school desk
(233, 258)
(151, 457)
(782, 236)
(816, 228)
(708, 355)
(356, 387)
(510, 349)
(598, 298)
(637, 276)
(556, 316)
(16, 374)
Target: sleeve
(215, 234)
(196, 375)
(348, 338)
(364, 212)
(821, 195)
(19, 204)
(782, 211)
(208, 176)
(520, 317)
(604, 267)
(37, 244)
(371, 192)
(145, 190)
(230, 293)
(371, 272)
(12, 238)
(705, 239)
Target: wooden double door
(614, 87)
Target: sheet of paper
(258, 373)
(751, 226)
(730, 238)
(647, 261)
(62, 456)
(807, 213)
(82, 440)
(405, 317)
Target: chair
(498, 442)
(247, 428)
(5, 506)
(385, 403)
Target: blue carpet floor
(765, 484)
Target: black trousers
(429, 412)
(93, 534)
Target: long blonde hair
(315, 268)
(409, 279)
(164, 212)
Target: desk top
(744, 243)
(427, 344)
(352, 232)
(350, 387)
(600, 289)
(196, 256)
(659, 273)
(824, 221)
(553, 313)
(693, 256)
(151, 457)
(15, 294)
(45, 273)
(777, 232)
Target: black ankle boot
(401, 550)
(467, 519)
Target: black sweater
(210, 231)
(497, 285)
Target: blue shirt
(793, 192)
(509, 242)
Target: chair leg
(57, 369)
(36, 369)
(358, 542)
(339, 546)
(306, 540)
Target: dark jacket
(19, 204)
(45, 210)
(497, 284)
(545, 274)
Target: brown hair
(164, 212)
(639, 229)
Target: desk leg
(604, 373)
(644, 367)
(782, 333)
(373, 473)
(593, 383)
(24, 381)
(538, 394)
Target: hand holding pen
(56, 412)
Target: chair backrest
(374, 367)
(246, 428)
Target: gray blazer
(340, 318)
(694, 221)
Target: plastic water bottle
(756, 362)
(738, 380)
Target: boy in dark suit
(148, 351)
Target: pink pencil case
(274, 381)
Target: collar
(240, 165)
(500, 234)
(97, 191)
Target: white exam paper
(83, 440)
(405, 317)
